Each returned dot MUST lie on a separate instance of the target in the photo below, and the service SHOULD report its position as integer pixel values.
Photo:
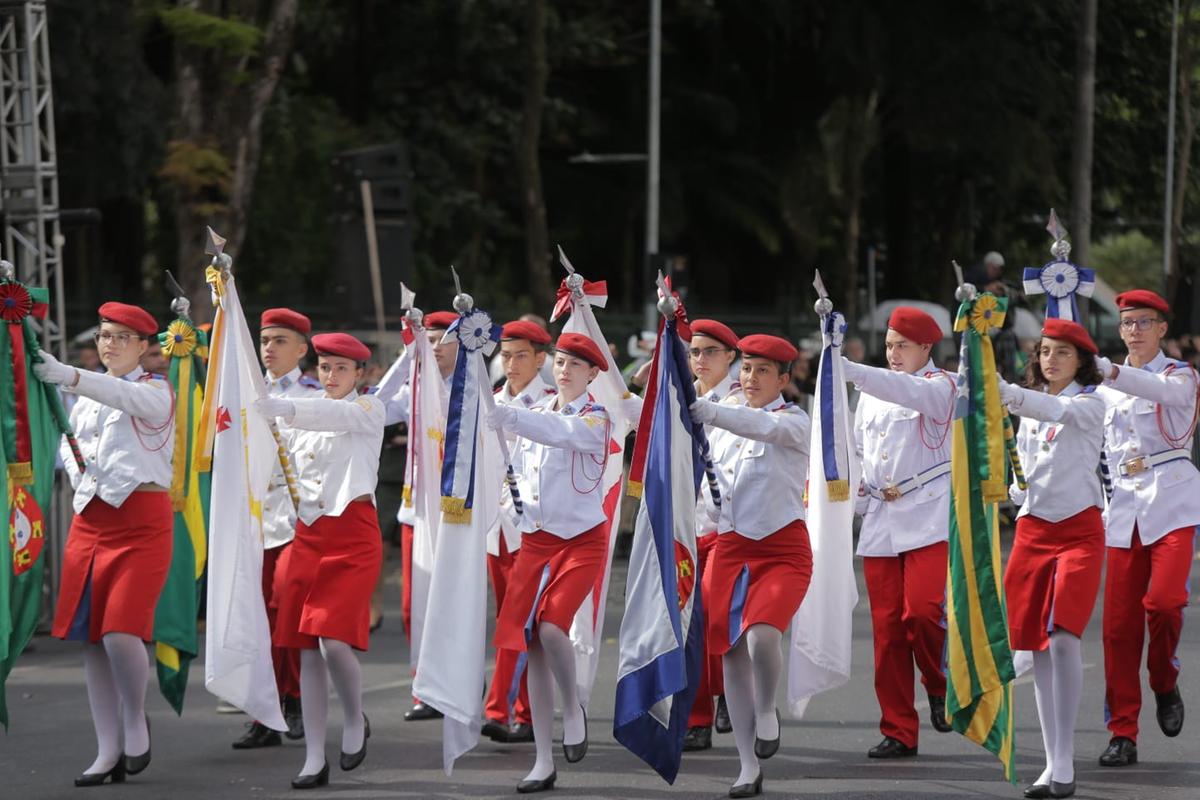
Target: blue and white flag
(662, 633)
(475, 332)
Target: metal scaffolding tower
(28, 165)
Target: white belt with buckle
(1136, 466)
(898, 490)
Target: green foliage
(1128, 260)
(229, 36)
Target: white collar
(283, 381)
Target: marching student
(901, 431)
(522, 354)
(711, 354)
(118, 550)
(1150, 522)
(283, 343)
(1053, 572)
(335, 557)
(560, 455)
(761, 565)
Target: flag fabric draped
(235, 441)
(662, 633)
(454, 639)
(610, 392)
(175, 616)
(819, 656)
(32, 421)
(980, 663)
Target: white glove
(500, 416)
(703, 411)
(1017, 495)
(1105, 366)
(51, 370)
(1010, 395)
(271, 407)
(837, 335)
(853, 371)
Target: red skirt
(114, 567)
(755, 581)
(1053, 576)
(549, 581)
(330, 573)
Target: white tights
(1058, 683)
(334, 660)
(752, 670)
(551, 661)
(116, 671)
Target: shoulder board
(787, 407)
(735, 386)
(498, 389)
(549, 390)
(592, 408)
(311, 383)
(151, 376)
(1087, 390)
(730, 399)
(371, 390)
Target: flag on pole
(819, 656)
(662, 633)
(32, 421)
(175, 616)
(235, 441)
(453, 641)
(980, 664)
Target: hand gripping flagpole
(833, 327)
(223, 262)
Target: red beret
(916, 325)
(583, 347)
(715, 330)
(522, 329)
(761, 345)
(341, 344)
(1069, 331)
(285, 318)
(1141, 298)
(133, 317)
(439, 319)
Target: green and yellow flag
(175, 616)
(980, 669)
(32, 421)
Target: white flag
(238, 651)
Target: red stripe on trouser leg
(496, 707)
(285, 660)
(712, 671)
(907, 593)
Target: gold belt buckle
(1135, 466)
(891, 493)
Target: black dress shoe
(543, 785)
(422, 711)
(747, 789)
(496, 731)
(116, 775)
(765, 748)
(293, 716)
(1121, 752)
(1170, 712)
(257, 735)
(1062, 789)
(721, 719)
(1037, 791)
(376, 625)
(312, 781)
(135, 764)
(937, 713)
(698, 738)
(891, 748)
(576, 752)
(349, 761)
(520, 733)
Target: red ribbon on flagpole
(562, 303)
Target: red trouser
(1145, 586)
(285, 659)
(908, 619)
(507, 661)
(712, 673)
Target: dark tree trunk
(533, 201)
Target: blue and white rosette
(477, 335)
(1061, 282)
(830, 430)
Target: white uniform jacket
(1149, 411)
(705, 524)
(533, 393)
(901, 431)
(559, 460)
(126, 433)
(279, 515)
(1059, 445)
(761, 460)
(336, 444)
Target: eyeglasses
(1143, 324)
(707, 352)
(123, 339)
